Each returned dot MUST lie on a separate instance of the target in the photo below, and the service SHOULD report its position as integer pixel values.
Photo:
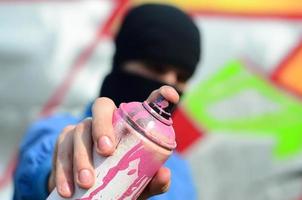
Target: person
(156, 45)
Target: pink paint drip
(145, 171)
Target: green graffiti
(281, 118)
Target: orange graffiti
(289, 72)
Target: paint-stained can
(146, 140)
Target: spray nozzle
(162, 107)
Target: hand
(72, 162)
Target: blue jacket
(35, 157)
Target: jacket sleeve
(35, 157)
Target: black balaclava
(127, 87)
(151, 33)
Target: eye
(182, 77)
(158, 69)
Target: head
(156, 45)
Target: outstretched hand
(73, 163)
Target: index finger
(102, 128)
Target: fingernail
(85, 176)
(65, 189)
(105, 144)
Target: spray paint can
(146, 140)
